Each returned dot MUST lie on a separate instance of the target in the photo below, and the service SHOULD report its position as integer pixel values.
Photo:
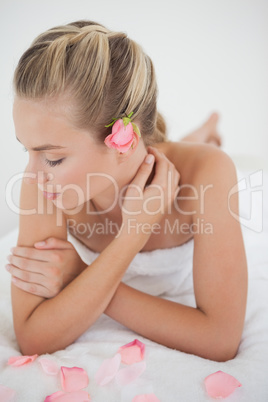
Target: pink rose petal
(220, 384)
(20, 360)
(49, 366)
(7, 394)
(73, 378)
(130, 374)
(132, 352)
(108, 370)
(60, 396)
(146, 398)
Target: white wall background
(209, 56)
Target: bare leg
(207, 133)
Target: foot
(207, 133)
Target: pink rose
(122, 136)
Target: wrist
(132, 236)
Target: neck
(110, 201)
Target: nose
(32, 177)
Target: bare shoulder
(198, 162)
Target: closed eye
(54, 163)
(47, 161)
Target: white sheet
(172, 375)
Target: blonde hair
(104, 75)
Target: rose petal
(108, 370)
(50, 367)
(132, 352)
(146, 398)
(7, 394)
(220, 384)
(129, 374)
(20, 360)
(77, 396)
(73, 378)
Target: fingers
(52, 243)
(161, 168)
(41, 271)
(144, 171)
(41, 265)
(165, 172)
(32, 282)
(24, 255)
(35, 253)
(37, 283)
(24, 275)
(27, 264)
(32, 288)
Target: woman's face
(69, 166)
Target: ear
(124, 156)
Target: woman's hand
(44, 270)
(144, 205)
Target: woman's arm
(57, 322)
(46, 325)
(43, 326)
(213, 329)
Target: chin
(73, 206)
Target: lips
(50, 196)
(47, 194)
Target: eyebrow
(45, 147)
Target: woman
(85, 109)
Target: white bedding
(172, 375)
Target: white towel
(161, 272)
